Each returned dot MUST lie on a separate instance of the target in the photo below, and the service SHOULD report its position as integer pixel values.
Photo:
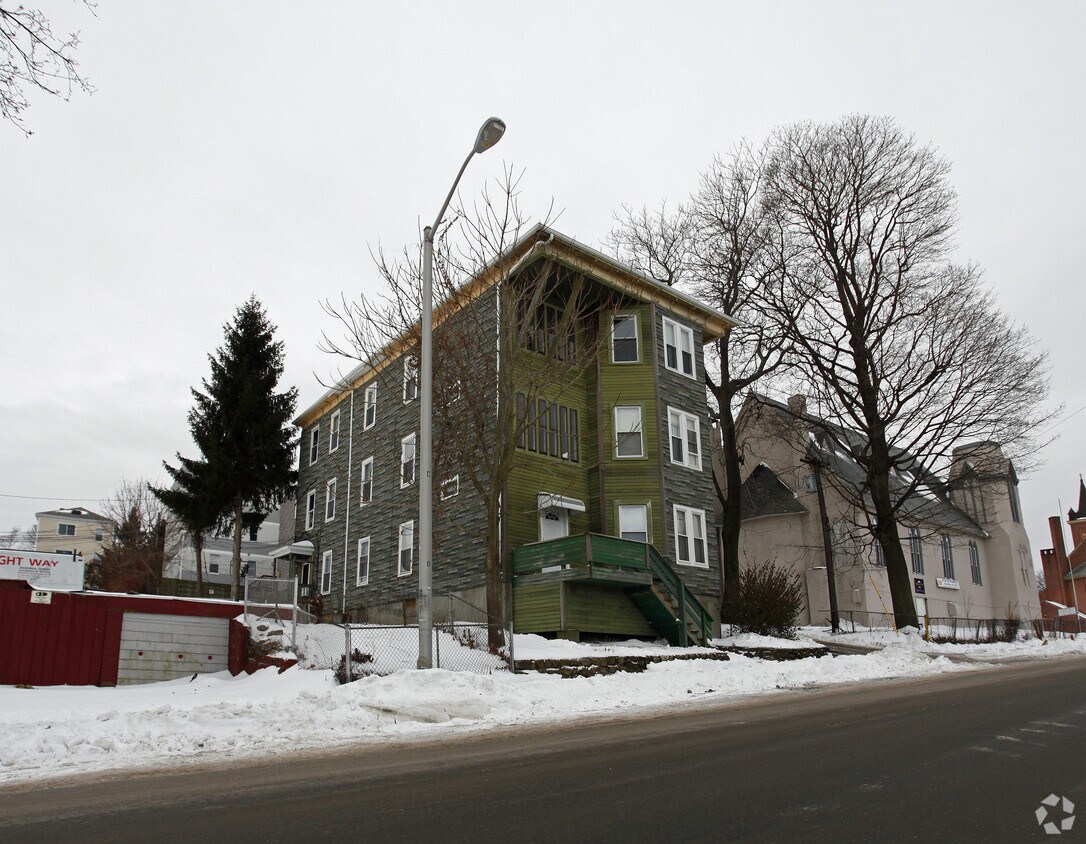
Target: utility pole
(827, 548)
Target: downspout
(347, 504)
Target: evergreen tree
(193, 505)
(243, 429)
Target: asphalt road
(963, 757)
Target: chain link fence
(461, 642)
(948, 629)
(275, 601)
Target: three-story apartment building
(593, 376)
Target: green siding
(599, 609)
(631, 480)
(537, 608)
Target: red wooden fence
(76, 639)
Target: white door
(553, 523)
(163, 647)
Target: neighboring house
(218, 551)
(1065, 573)
(606, 519)
(73, 530)
(963, 539)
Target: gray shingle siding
(459, 522)
(682, 485)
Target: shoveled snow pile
(55, 731)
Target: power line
(50, 498)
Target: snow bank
(1021, 649)
(55, 731)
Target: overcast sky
(266, 147)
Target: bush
(361, 666)
(770, 600)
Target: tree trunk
(198, 548)
(886, 533)
(495, 616)
(730, 509)
(235, 563)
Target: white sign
(47, 572)
(41, 597)
(947, 583)
(1066, 611)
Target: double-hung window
(407, 460)
(690, 547)
(916, 550)
(624, 338)
(365, 487)
(684, 435)
(410, 380)
(633, 522)
(330, 500)
(333, 432)
(628, 432)
(362, 568)
(369, 412)
(310, 508)
(314, 445)
(326, 572)
(678, 348)
(974, 563)
(406, 548)
(948, 557)
(65, 530)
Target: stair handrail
(662, 570)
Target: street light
(489, 134)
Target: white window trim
(326, 569)
(333, 432)
(359, 579)
(680, 332)
(648, 519)
(362, 500)
(704, 542)
(637, 338)
(370, 403)
(414, 459)
(684, 417)
(314, 444)
(310, 509)
(410, 371)
(409, 526)
(454, 482)
(330, 499)
(641, 431)
(61, 532)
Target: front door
(553, 523)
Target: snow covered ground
(63, 730)
(1022, 649)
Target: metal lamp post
(489, 134)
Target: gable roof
(763, 493)
(1080, 513)
(542, 241)
(76, 513)
(928, 502)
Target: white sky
(266, 147)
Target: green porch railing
(596, 549)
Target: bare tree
(18, 539)
(513, 328)
(144, 537)
(721, 246)
(32, 55)
(893, 340)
